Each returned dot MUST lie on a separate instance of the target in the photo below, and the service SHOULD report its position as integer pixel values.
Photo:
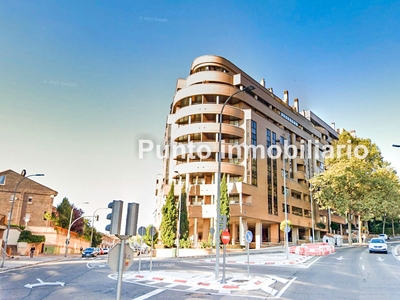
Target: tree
(79, 224)
(224, 200)
(350, 184)
(64, 211)
(184, 222)
(168, 222)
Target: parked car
(378, 245)
(105, 250)
(143, 248)
(90, 252)
(101, 252)
(384, 236)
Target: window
(287, 191)
(307, 213)
(254, 133)
(30, 199)
(2, 179)
(287, 208)
(289, 119)
(298, 211)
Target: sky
(81, 82)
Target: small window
(2, 179)
(30, 200)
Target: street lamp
(69, 228)
(286, 228)
(9, 219)
(397, 146)
(249, 88)
(91, 235)
(178, 233)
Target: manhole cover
(240, 280)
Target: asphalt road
(351, 273)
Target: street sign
(142, 231)
(113, 256)
(226, 237)
(153, 231)
(249, 236)
(287, 228)
(212, 230)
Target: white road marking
(41, 282)
(380, 259)
(148, 295)
(313, 262)
(285, 287)
(340, 258)
(363, 267)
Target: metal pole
(285, 198)
(9, 219)
(223, 265)
(91, 236)
(120, 269)
(311, 200)
(217, 233)
(140, 253)
(69, 230)
(178, 231)
(248, 259)
(151, 254)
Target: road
(351, 273)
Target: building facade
(32, 201)
(257, 128)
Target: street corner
(234, 284)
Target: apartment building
(256, 126)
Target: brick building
(32, 201)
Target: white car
(377, 245)
(384, 236)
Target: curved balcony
(206, 89)
(211, 59)
(213, 76)
(209, 167)
(212, 147)
(207, 128)
(209, 109)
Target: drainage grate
(240, 280)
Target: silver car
(378, 245)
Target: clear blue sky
(82, 81)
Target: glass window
(2, 179)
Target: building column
(258, 233)
(195, 234)
(275, 233)
(234, 233)
(242, 230)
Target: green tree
(64, 211)
(184, 222)
(349, 185)
(168, 222)
(224, 200)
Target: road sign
(287, 228)
(222, 222)
(153, 231)
(142, 231)
(212, 230)
(113, 256)
(225, 236)
(249, 236)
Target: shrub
(28, 237)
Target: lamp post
(397, 146)
(91, 235)
(178, 228)
(9, 219)
(69, 228)
(285, 201)
(249, 88)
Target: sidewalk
(16, 261)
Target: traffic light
(97, 218)
(115, 216)
(131, 219)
